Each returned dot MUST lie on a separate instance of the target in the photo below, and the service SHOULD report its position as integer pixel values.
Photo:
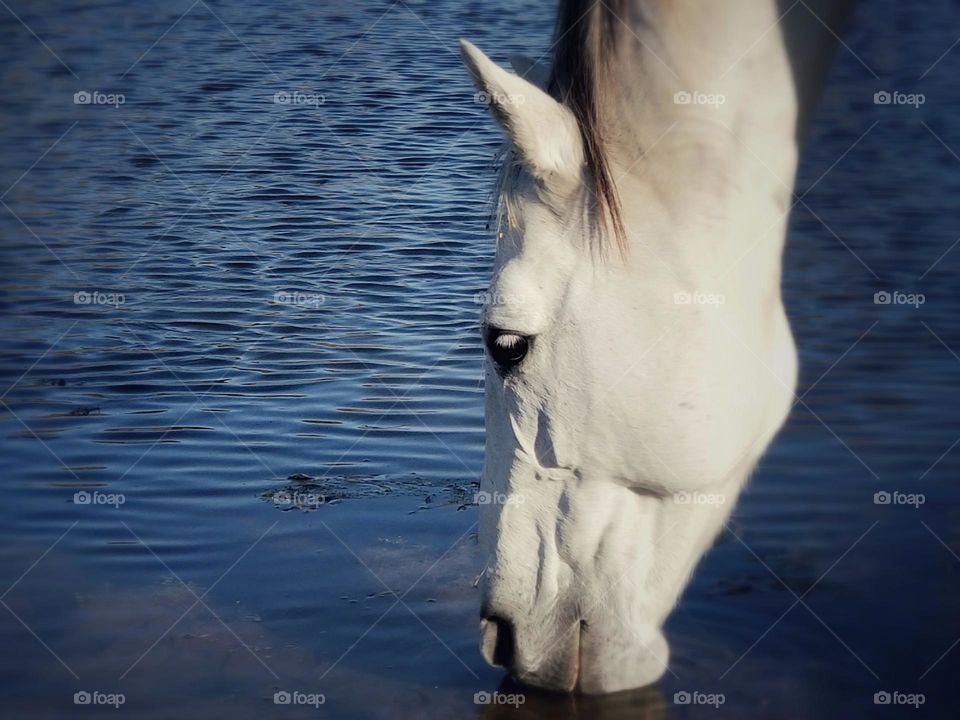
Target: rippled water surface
(245, 325)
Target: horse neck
(765, 60)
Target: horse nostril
(496, 641)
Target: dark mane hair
(584, 42)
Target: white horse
(639, 356)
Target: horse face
(567, 536)
(610, 411)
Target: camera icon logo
(882, 698)
(881, 498)
(282, 697)
(682, 97)
(81, 498)
(481, 698)
(82, 97)
(882, 98)
(82, 698)
(681, 698)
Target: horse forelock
(584, 39)
(584, 43)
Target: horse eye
(507, 349)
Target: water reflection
(642, 704)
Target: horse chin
(622, 662)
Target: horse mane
(584, 41)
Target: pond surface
(243, 327)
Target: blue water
(256, 321)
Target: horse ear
(543, 131)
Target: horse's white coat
(653, 383)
